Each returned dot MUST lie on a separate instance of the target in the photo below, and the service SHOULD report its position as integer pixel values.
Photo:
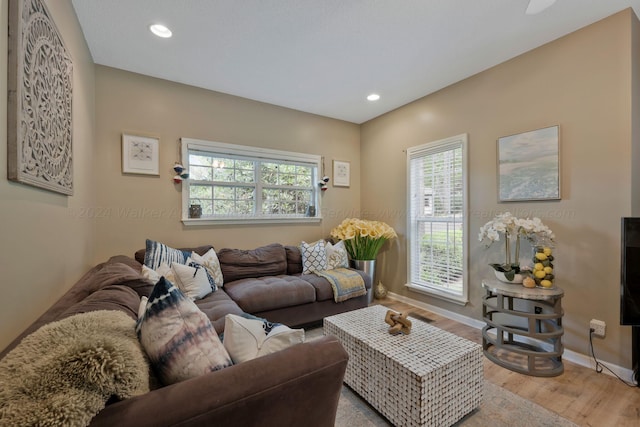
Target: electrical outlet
(598, 326)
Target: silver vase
(367, 266)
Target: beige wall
(581, 82)
(131, 208)
(45, 247)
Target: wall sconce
(324, 183)
(181, 173)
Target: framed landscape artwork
(529, 166)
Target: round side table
(523, 329)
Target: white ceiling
(326, 56)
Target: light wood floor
(580, 394)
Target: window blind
(437, 218)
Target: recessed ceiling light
(160, 30)
(373, 97)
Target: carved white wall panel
(40, 93)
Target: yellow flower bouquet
(363, 238)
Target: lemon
(546, 283)
(539, 274)
(548, 270)
(541, 256)
(546, 251)
(538, 266)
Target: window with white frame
(236, 183)
(437, 210)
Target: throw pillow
(64, 373)
(178, 338)
(193, 279)
(336, 255)
(142, 308)
(155, 275)
(246, 339)
(157, 253)
(212, 264)
(314, 256)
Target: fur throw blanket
(64, 373)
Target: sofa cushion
(294, 260)
(111, 297)
(64, 373)
(216, 306)
(270, 292)
(178, 338)
(236, 264)
(248, 338)
(314, 256)
(323, 288)
(98, 277)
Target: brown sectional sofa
(268, 282)
(289, 387)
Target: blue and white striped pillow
(157, 253)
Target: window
(438, 218)
(235, 183)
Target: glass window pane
(201, 173)
(199, 160)
(244, 175)
(287, 187)
(244, 207)
(200, 191)
(220, 192)
(287, 179)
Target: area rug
(499, 408)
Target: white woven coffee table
(427, 378)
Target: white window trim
(442, 145)
(247, 151)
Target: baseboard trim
(568, 355)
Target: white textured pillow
(246, 339)
(193, 280)
(155, 275)
(179, 338)
(337, 255)
(314, 256)
(142, 307)
(211, 263)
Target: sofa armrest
(286, 388)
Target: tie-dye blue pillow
(178, 338)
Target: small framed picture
(140, 154)
(341, 173)
(529, 166)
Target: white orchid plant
(510, 226)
